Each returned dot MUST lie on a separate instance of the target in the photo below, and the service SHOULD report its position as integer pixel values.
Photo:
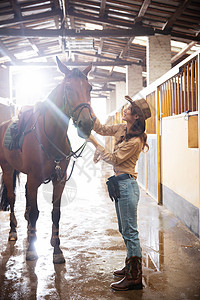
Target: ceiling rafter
(4, 51)
(182, 52)
(97, 56)
(123, 21)
(56, 19)
(75, 64)
(34, 17)
(17, 11)
(108, 79)
(101, 20)
(66, 16)
(142, 10)
(141, 13)
(177, 13)
(136, 31)
(124, 51)
(102, 8)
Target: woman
(130, 140)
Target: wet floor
(93, 248)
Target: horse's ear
(87, 70)
(64, 69)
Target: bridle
(75, 154)
(80, 106)
(62, 156)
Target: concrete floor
(93, 248)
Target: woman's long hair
(138, 128)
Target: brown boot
(119, 273)
(133, 276)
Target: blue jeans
(126, 209)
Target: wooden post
(198, 101)
(185, 90)
(179, 94)
(192, 85)
(197, 81)
(188, 86)
(159, 135)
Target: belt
(123, 176)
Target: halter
(81, 106)
(74, 154)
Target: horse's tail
(4, 204)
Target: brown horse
(45, 152)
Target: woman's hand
(92, 140)
(93, 114)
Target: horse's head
(77, 98)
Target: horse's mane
(52, 94)
(74, 73)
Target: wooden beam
(33, 17)
(73, 64)
(17, 10)
(107, 79)
(65, 6)
(177, 13)
(104, 89)
(5, 52)
(101, 21)
(141, 13)
(124, 51)
(142, 10)
(49, 14)
(111, 71)
(104, 74)
(56, 4)
(98, 95)
(102, 8)
(56, 20)
(94, 55)
(186, 37)
(100, 46)
(182, 52)
(179, 35)
(137, 31)
(85, 54)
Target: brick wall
(158, 57)
(134, 81)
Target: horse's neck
(56, 122)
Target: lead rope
(73, 154)
(58, 170)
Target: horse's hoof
(12, 236)
(58, 258)
(31, 255)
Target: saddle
(14, 135)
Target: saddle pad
(9, 143)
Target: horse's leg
(58, 187)
(28, 206)
(8, 173)
(31, 215)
